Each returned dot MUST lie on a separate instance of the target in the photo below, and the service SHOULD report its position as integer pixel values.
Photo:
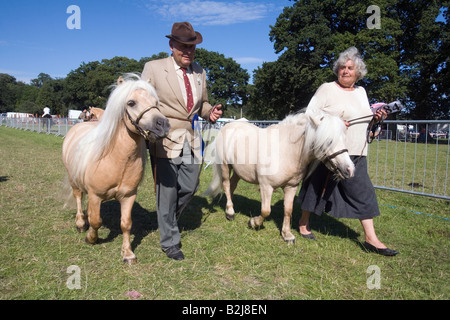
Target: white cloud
(200, 12)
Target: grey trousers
(176, 182)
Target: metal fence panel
(408, 156)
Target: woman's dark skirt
(352, 198)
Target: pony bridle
(328, 159)
(135, 123)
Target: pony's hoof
(253, 225)
(130, 261)
(289, 238)
(82, 229)
(230, 217)
(90, 241)
(289, 241)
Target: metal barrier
(408, 156)
(55, 126)
(412, 157)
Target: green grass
(224, 259)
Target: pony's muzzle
(345, 173)
(349, 172)
(160, 130)
(162, 126)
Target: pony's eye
(131, 103)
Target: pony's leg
(230, 214)
(126, 204)
(227, 185)
(95, 221)
(80, 219)
(289, 195)
(266, 199)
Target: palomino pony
(278, 156)
(95, 113)
(106, 159)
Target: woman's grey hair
(351, 54)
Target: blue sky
(34, 37)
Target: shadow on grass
(324, 224)
(4, 178)
(145, 222)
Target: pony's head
(136, 103)
(133, 102)
(95, 114)
(325, 137)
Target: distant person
(355, 197)
(46, 112)
(47, 119)
(181, 87)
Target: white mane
(324, 137)
(295, 118)
(96, 143)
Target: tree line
(407, 57)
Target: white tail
(66, 194)
(215, 187)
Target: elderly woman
(355, 197)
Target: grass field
(224, 260)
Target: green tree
(310, 34)
(26, 96)
(51, 94)
(42, 79)
(227, 81)
(425, 55)
(7, 92)
(90, 84)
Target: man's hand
(215, 113)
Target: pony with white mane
(105, 159)
(278, 156)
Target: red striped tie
(190, 98)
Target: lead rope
(180, 210)
(370, 129)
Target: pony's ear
(120, 81)
(316, 119)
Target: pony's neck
(127, 143)
(131, 141)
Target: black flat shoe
(174, 252)
(309, 236)
(383, 252)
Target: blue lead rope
(196, 127)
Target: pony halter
(328, 159)
(135, 123)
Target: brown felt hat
(184, 33)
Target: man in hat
(181, 87)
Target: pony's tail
(215, 186)
(67, 194)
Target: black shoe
(309, 236)
(383, 252)
(174, 252)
